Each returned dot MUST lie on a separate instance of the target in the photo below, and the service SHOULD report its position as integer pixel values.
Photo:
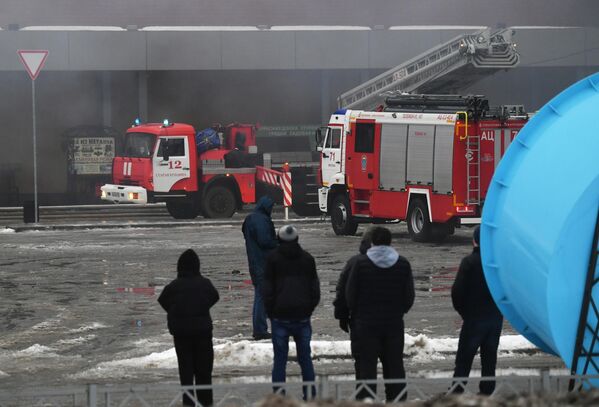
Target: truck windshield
(137, 145)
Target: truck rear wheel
(419, 224)
(182, 209)
(341, 217)
(219, 202)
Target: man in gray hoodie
(379, 291)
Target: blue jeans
(258, 312)
(301, 331)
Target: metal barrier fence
(247, 394)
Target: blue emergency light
(137, 122)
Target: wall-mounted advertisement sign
(91, 155)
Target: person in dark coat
(482, 320)
(187, 301)
(260, 239)
(341, 311)
(379, 291)
(291, 291)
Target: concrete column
(325, 97)
(106, 98)
(142, 95)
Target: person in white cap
(291, 292)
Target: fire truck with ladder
(423, 159)
(161, 162)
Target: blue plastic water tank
(539, 219)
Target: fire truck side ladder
(445, 68)
(586, 350)
(473, 169)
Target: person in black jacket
(341, 311)
(291, 292)
(379, 291)
(187, 301)
(482, 321)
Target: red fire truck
(161, 162)
(423, 159)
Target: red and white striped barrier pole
(286, 186)
(281, 179)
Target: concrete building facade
(268, 67)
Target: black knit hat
(189, 261)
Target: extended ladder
(444, 68)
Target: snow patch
(75, 341)
(38, 351)
(514, 342)
(86, 328)
(7, 230)
(2, 374)
(421, 348)
(245, 353)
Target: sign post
(33, 60)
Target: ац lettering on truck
(431, 170)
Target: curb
(142, 224)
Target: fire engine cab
(169, 162)
(423, 159)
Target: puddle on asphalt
(438, 280)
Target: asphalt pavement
(79, 294)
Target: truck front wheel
(182, 210)
(341, 218)
(219, 202)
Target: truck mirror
(319, 136)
